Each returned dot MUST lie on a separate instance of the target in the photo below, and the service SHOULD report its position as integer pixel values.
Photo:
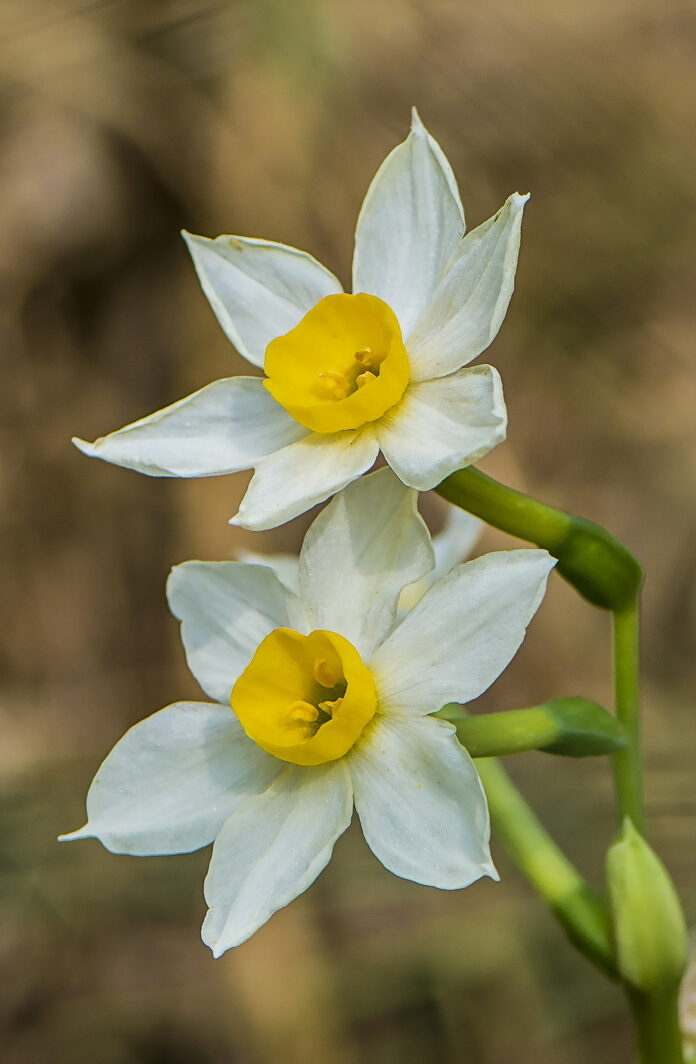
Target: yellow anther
(335, 384)
(364, 378)
(325, 674)
(303, 711)
(331, 707)
(364, 356)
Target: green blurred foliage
(121, 122)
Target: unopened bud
(650, 935)
(687, 1004)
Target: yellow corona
(305, 698)
(343, 366)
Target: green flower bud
(687, 1004)
(572, 727)
(649, 930)
(597, 565)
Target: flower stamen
(336, 385)
(324, 674)
(304, 712)
(330, 708)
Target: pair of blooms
(331, 691)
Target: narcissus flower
(330, 705)
(347, 375)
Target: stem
(656, 1015)
(659, 1035)
(628, 779)
(601, 569)
(578, 908)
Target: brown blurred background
(122, 121)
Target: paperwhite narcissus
(347, 375)
(330, 705)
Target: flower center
(305, 698)
(344, 365)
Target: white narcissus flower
(347, 375)
(330, 706)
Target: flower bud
(650, 935)
(597, 565)
(572, 727)
(687, 1004)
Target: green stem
(578, 908)
(606, 573)
(628, 779)
(659, 1036)
(595, 563)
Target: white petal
(173, 780)
(455, 542)
(285, 566)
(468, 308)
(362, 549)
(442, 425)
(224, 427)
(258, 289)
(462, 633)
(451, 546)
(272, 848)
(226, 609)
(409, 226)
(421, 804)
(293, 480)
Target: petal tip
(198, 245)
(216, 949)
(193, 238)
(212, 938)
(258, 523)
(549, 560)
(416, 121)
(90, 449)
(491, 872)
(73, 836)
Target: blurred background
(122, 121)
